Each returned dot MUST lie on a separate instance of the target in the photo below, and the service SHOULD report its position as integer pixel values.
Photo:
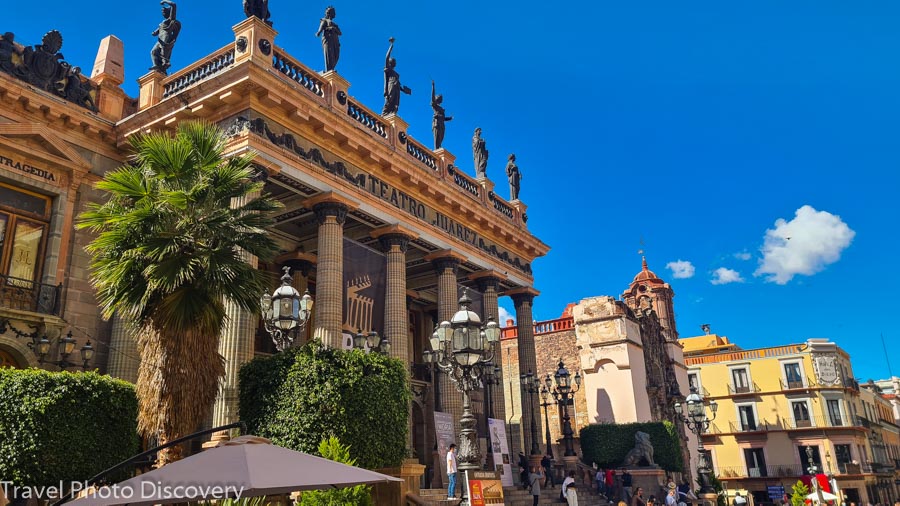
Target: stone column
(523, 298)
(124, 358)
(235, 345)
(394, 241)
(331, 213)
(446, 265)
(489, 284)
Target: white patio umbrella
(814, 497)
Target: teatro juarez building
(382, 230)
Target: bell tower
(648, 290)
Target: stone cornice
(394, 230)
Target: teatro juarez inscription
(28, 169)
(374, 185)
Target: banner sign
(500, 449)
(776, 492)
(445, 434)
(485, 488)
(364, 288)
(369, 183)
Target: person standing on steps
(534, 478)
(547, 464)
(626, 486)
(451, 472)
(567, 492)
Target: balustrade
(219, 61)
(500, 205)
(298, 73)
(464, 182)
(366, 118)
(25, 295)
(421, 153)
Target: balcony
(24, 295)
(743, 389)
(797, 384)
(783, 471)
(816, 422)
(760, 426)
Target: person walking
(626, 487)
(537, 473)
(547, 464)
(601, 481)
(451, 472)
(523, 470)
(671, 500)
(610, 482)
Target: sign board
(776, 492)
(445, 435)
(485, 488)
(500, 449)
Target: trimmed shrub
(60, 426)
(608, 443)
(303, 395)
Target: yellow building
(775, 402)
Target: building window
(801, 414)
(792, 375)
(23, 233)
(804, 458)
(834, 412)
(747, 418)
(842, 457)
(694, 380)
(741, 381)
(756, 462)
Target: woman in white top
(568, 489)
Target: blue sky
(693, 126)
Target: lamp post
(563, 392)
(459, 348)
(546, 403)
(813, 473)
(372, 341)
(698, 422)
(490, 377)
(531, 387)
(66, 349)
(285, 313)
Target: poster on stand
(500, 449)
(445, 436)
(485, 488)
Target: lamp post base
(709, 499)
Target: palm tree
(170, 250)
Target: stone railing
(420, 153)
(214, 64)
(777, 351)
(465, 182)
(542, 327)
(501, 206)
(297, 72)
(366, 118)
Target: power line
(887, 357)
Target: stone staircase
(515, 496)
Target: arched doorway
(7, 360)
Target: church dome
(646, 274)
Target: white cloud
(804, 245)
(723, 276)
(681, 269)
(505, 315)
(743, 255)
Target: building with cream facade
(776, 402)
(383, 231)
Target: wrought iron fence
(30, 296)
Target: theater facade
(384, 232)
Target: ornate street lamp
(459, 348)
(490, 376)
(66, 349)
(546, 403)
(371, 341)
(285, 313)
(531, 387)
(697, 422)
(563, 391)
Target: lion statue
(642, 451)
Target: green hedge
(59, 426)
(303, 395)
(608, 443)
